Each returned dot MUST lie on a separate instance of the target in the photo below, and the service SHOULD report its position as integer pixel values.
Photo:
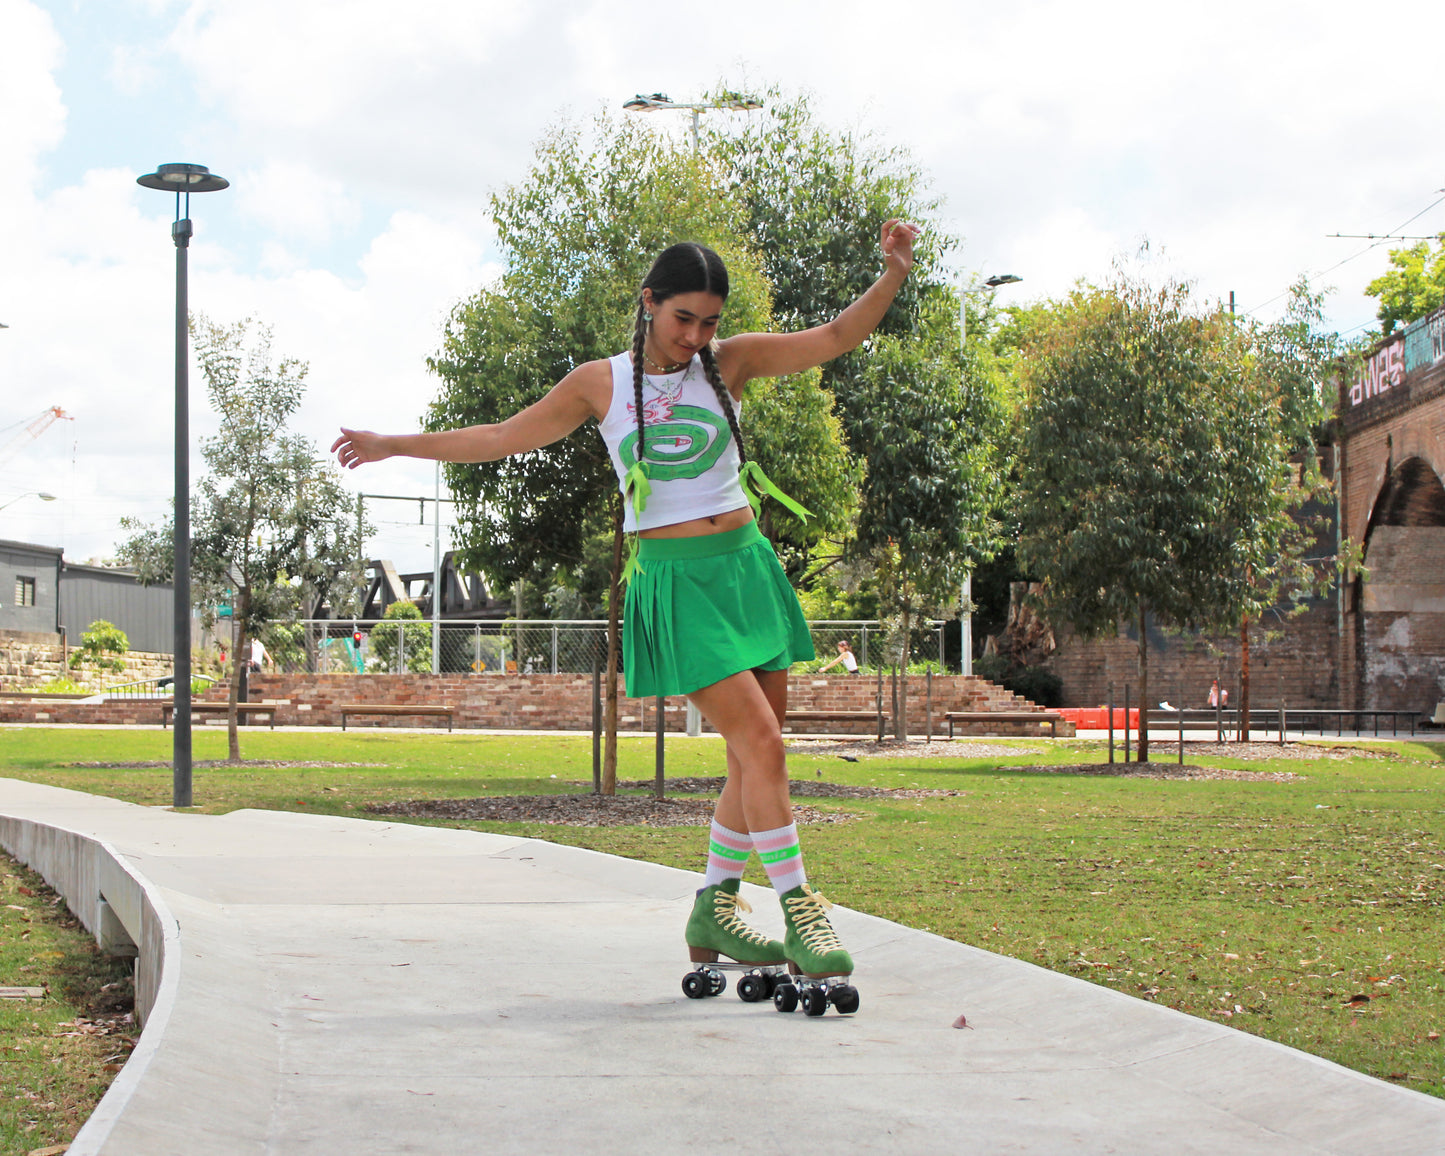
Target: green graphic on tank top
(687, 446)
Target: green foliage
(1415, 285)
(273, 530)
(101, 646)
(59, 685)
(925, 424)
(393, 645)
(1155, 474)
(579, 234)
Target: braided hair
(685, 268)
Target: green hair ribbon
(632, 565)
(755, 484)
(636, 486)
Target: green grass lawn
(1309, 912)
(58, 1053)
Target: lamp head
(641, 103)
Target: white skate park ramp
(341, 986)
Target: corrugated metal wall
(143, 612)
(37, 566)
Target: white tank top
(691, 458)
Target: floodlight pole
(653, 103)
(182, 178)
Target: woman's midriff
(697, 527)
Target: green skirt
(702, 609)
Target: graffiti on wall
(1425, 342)
(1383, 371)
(1418, 347)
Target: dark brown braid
(685, 268)
(724, 397)
(639, 340)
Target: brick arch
(1411, 494)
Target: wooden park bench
(394, 710)
(827, 716)
(243, 709)
(1004, 716)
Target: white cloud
(34, 116)
(293, 201)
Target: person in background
(845, 656)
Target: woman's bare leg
(747, 709)
(729, 811)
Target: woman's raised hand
(355, 446)
(897, 240)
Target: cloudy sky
(361, 140)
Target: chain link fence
(544, 646)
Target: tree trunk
(241, 655)
(609, 714)
(1143, 751)
(900, 718)
(1243, 705)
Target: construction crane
(43, 422)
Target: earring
(647, 317)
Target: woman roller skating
(709, 612)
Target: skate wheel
(753, 989)
(694, 985)
(772, 982)
(845, 999)
(785, 998)
(815, 1002)
(717, 983)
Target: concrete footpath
(343, 986)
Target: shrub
(388, 642)
(101, 645)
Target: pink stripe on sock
(774, 841)
(732, 839)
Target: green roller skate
(716, 928)
(820, 966)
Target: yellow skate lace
(810, 920)
(725, 910)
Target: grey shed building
(29, 587)
(41, 593)
(145, 613)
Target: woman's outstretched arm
(583, 393)
(750, 355)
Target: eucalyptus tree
(1156, 478)
(273, 530)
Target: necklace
(661, 369)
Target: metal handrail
(123, 689)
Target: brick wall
(542, 702)
(1298, 665)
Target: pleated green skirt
(702, 609)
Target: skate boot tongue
(813, 944)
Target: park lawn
(56, 1054)
(1309, 912)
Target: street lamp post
(179, 179)
(965, 621)
(658, 100)
(41, 494)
